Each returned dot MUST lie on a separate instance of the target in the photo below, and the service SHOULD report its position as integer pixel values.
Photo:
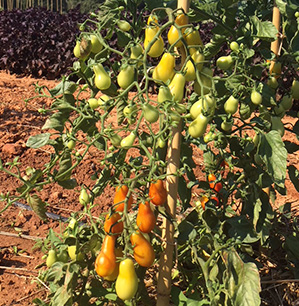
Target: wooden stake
(173, 161)
(275, 44)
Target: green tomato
(63, 256)
(234, 46)
(224, 62)
(286, 102)
(256, 139)
(231, 105)
(208, 137)
(51, 258)
(96, 46)
(126, 76)
(93, 103)
(151, 114)
(124, 25)
(128, 141)
(84, 198)
(295, 89)
(129, 110)
(115, 139)
(71, 144)
(279, 111)
(198, 126)
(277, 125)
(161, 143)
(272, 82)
(227, 125)
(164, 94)
(206, 104)
(256, 97)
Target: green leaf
(294, 176)
(184, 192)
(65, 164)
(291, 245)
(57, 121)
(37, 205)
(37, 141)
(274, 154)
(62, 87)
(263, 29)
(186, 232)
(62, 296)
(68, 184)
(39, 302)
(281, 6)
(242, 280)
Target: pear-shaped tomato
(206, 104)
(157, 46)
(231, 105)
(295, 90)
(165, 69)
(198, 126)
(151, 114)
(113, 223)
(93, 103)
(119, 254)
(51, 258)
(106, 260)
(177, 86)
(82, 49)
(96, 45)
(136, 51)
(126, 76)
(272, 82)
(286, 102)
(256, 97)
(128, 141)
(126, 284)
(157, 193)
(224, 62)
(84, 197)
(175, 34)
(227, 125)
(120, 196)
(164, 94)
(193, 38)
(124, 25)
(102, 80)
(143, 251)
(146, 219)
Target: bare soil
(19, 120)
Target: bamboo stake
(173, 161)
(275, 44)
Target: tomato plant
(224, 104)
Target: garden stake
(173, 161)
(275, 44)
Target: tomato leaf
(294, 176)
(274, 154)
(263, 29)
(38, 141)
(37, 205)
(57, 121)
(242, 280)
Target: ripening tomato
(126, 284)
(96, 45)
(106, 260)
(164, 94)
(174, 34)
(272, 82)
(143, 251)
(193, 38)
(165, 69)
(51, 258)
(215, 199)
(203, 202)
(157, 193)
(128, 141)
(177, 86)
(234, 46)
(84, 197)
(158, 45)
(227, 125)
(102, 79)
(151, 114)
(124, 25)
(120, 197)
(275, 69)
(146, 219)
(119, 254)
(113, 224)
(213, 185)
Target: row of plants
(229, 105)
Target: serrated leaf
(38, 141)
(37, 205)
(263, 29)
(274, 154)
(68, 184)
(62, 296)
(65, 164)
(186, 232)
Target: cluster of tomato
(109, 262)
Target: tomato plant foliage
(227, 109)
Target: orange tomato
(215, 199)
(106, 260)
(114, 274)
(113, 224)
(146, 218)
(203, 202)
(143, 251)
(120, 197)
(174, 33)
(157, 193)
(215, 186)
